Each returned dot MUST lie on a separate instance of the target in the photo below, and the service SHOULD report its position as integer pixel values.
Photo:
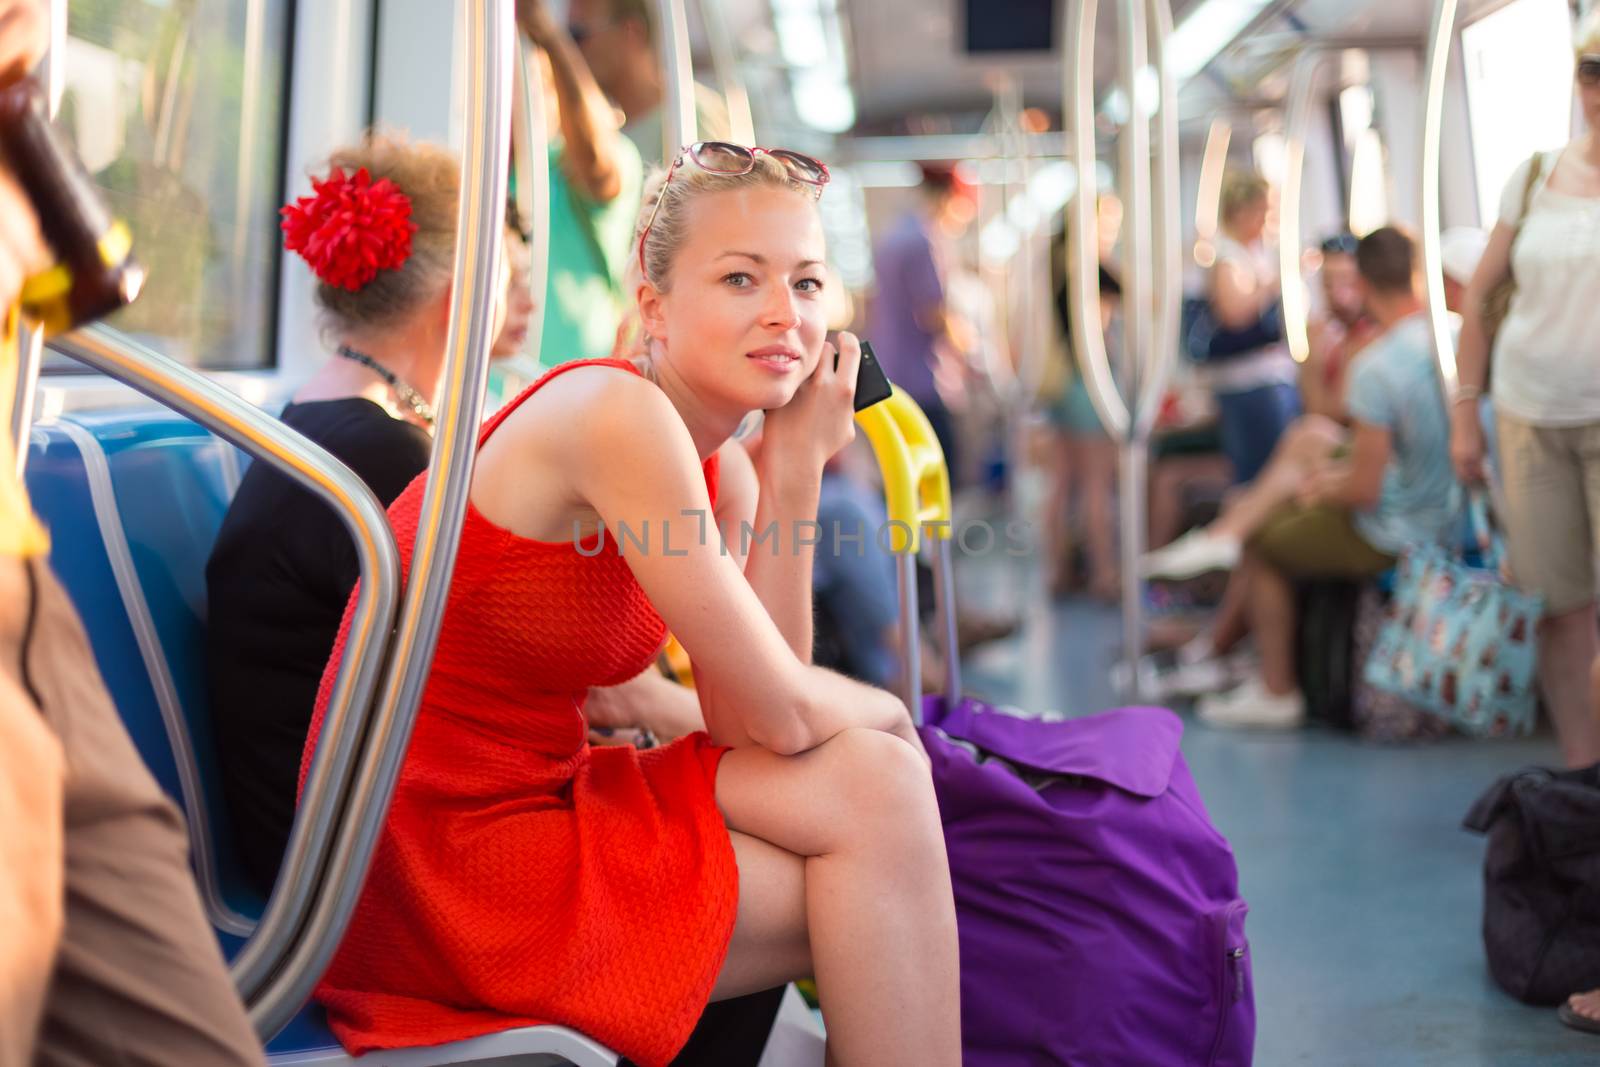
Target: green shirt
(589, 247)
(583, 301)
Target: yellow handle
(916, 482)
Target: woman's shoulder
(605, 408)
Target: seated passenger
(283, 563)
(1356, 501)
(524, 876)
(106, 956)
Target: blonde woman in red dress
(524, 877)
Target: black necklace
(402, 392)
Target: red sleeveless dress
(524, 877)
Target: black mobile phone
(872, 385)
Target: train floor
(1365, 892)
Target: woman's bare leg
(1058, 536)
(1305, 445)
(1097, 459)
(872, 900)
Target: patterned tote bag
(1459, 641)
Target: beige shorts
(1551, 476)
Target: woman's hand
(1467, 447)
(820, 419)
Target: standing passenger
(1256, 391)
(1546, 396)
(618, 39)
(919, 339)
(595, 180)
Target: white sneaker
(1250, 705)
(1195, 553)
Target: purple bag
(1099, 910)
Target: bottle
(95, 272)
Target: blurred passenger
(1083, 458)
(1337, 333)
(1546, 392)
(512, 340)
(106, 956)
(918, 339)
(283, 564)
(595, 182)
(618, 38)
(801, 836)
(1356, 509)
(1256, 389)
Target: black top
(277, 582)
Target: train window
(1518, 64)
(177, 111)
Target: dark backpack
(1205, 340)
(1541, 882)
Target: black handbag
(1325, 648)
(1541, 882)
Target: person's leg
(1099, 487)
(855, 882)
(1057, 530)
(1568, 645)
(1272, 620)
(1305, 446)
(139, 978)
(1551, 478)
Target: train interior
(198, 119)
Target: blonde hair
(1588, 36)
(1240, 189)
(689, 183)
(430, 178)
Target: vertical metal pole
(910, 634)
(1297, 115)
(944, 592)
(724, 58)
(1440, 38)
(679, 125)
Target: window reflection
(176, 108)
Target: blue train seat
(133, 501)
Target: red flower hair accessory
(350, 228)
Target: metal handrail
(489, 36)
(725, 61)
(314, 468)
(533, 186)
(1440, 38)
(679, 125)
(1150, 349)
(1291, 286)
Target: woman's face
(743, 321)
(519, 305)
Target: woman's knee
(881, 784)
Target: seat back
(133, 501)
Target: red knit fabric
(524, 877)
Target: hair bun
(350, 228)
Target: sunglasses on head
(1589, 69)
(1340, 244)
(722, 157)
